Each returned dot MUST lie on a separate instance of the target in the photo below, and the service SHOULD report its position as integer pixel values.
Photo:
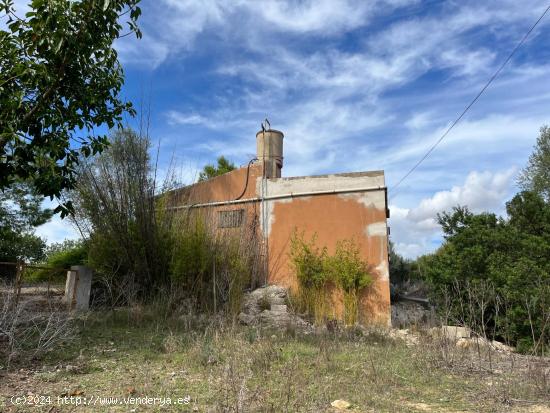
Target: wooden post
(214, 284)
(20, 267)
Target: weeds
(212, 268)
(225, 368)
(25, 333)
(319, 273)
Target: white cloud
(146, 52)
(57, 230)
(467, 63)
(321, 97)
(419, 120)
(481, 191)
(171, 27)
(328, 16)
(361, 107)
(179, 118)
(415, 230)
(471, 142)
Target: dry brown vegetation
(32, 322)
(228, 368)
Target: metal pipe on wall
(281, 196)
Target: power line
(471, 103)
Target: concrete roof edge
(342, 174)
(189, 187)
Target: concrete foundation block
(77, 287)
(69, 286)
(451, 332)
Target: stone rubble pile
(464, 338)
(268, 307)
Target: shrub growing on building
(350, 273)
(318, 271)
(309, 264)
(309, 261)
(116, 208)
(140, 250)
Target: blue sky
(355, 86)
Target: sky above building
(355, 86)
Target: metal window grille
(230, 219)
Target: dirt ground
(145, 360)
(304, 381)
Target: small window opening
(231, 219)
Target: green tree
(210, 171)
(118, 212)
(536, 176)
(67, 253)
(20, 213)
(493, 274)
(401, 269)
(59, 80)
(60, 256)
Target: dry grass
(31, 324)
(226, 368)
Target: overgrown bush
(318, 271)
(493, 274)
(117, 209)
(60, 257)
(141, 251)
(308, 261)
(350, 273)
(66, 253)
(213, 268)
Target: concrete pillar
(69, 287)
(77, 287)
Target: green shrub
(213, 268)
(60, 257)
(143, 252)
(309, 261)
(317, 271)
(350, 273)
(346, 268)
(192, 253)
(116, 197)
(66, 254)
(493, 274)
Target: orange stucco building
(333, 207)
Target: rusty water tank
(269, 151)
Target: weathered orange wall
(225, 187)
(332, 218)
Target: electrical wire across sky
(458, 119)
